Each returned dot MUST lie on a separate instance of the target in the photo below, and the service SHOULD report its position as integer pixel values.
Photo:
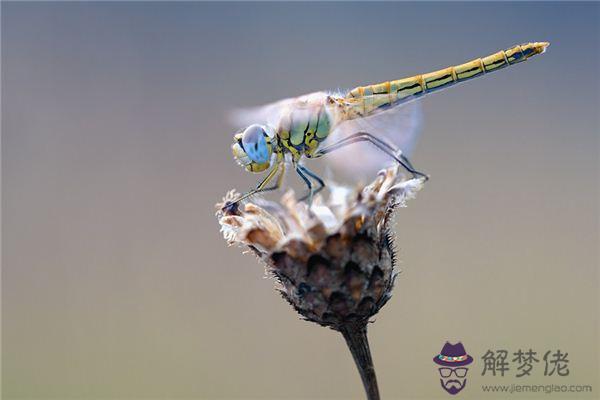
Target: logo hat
(453, 355)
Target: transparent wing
(399, 126)
(271, 113)
(266, 114)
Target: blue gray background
(116, 283)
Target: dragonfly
(293, 130)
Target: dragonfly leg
(279, 181)
(261, 187)
(380, 144)
(373, 139)
(308, 183)
(316, 178)
(405, 159)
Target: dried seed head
(334, 261)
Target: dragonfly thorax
(304, 127)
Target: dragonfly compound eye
(254, 142)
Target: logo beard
(453, 386)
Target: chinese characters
(498, 362)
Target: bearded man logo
(452, 360)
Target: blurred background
(116, 282)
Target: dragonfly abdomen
(364, 100)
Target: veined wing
(271, 113)
(399, 126)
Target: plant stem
(356, 339)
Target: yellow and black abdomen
(364, 100)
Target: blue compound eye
(255, 144)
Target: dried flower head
(335, 260)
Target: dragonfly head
(253, 147)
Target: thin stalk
(356, 339)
